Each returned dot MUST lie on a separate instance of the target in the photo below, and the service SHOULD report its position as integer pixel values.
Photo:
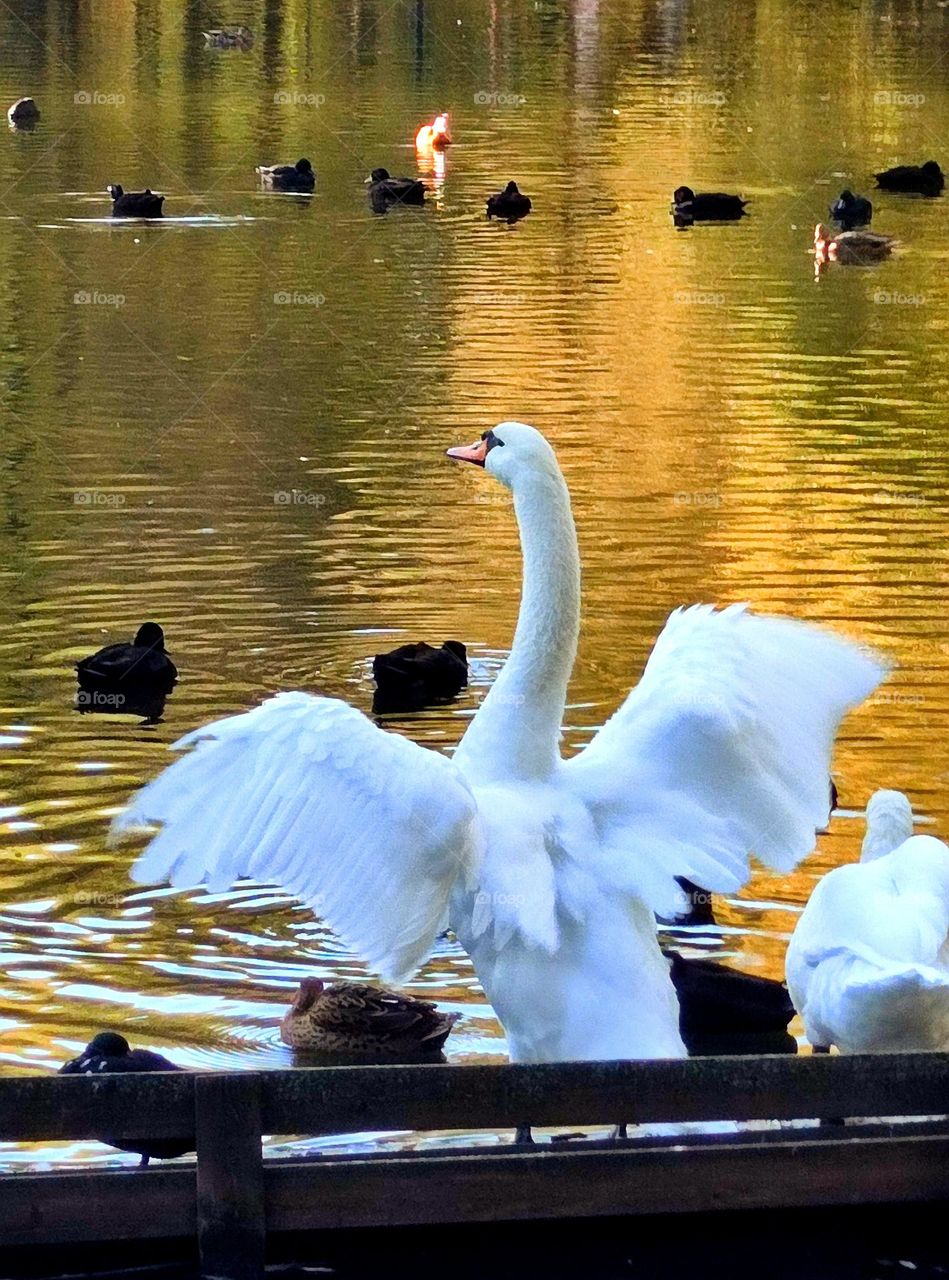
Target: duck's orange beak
(475, 453)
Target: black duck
(110, 1052)
(135, 204)
(288, 177)
(509, 204)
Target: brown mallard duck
(856, 248)
(356, 1019)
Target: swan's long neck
(516, 733)
(889, 824)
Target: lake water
(731, 427)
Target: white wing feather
(721, 751)
(368, 829)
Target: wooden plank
(579, 1184)
(230, 1184)
(353, 1099)
(107, 1204)
(357, 1099)
(305, 1195)
(153, 1104)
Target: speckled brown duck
(355, 1019)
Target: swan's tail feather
(864, 1007)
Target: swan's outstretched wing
(721, 751)
(368, 829)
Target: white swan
(548, 870)
(868, 964)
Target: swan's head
(511, 452)
(889, 823)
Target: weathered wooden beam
(304, 1195)
(580, 1184)
(230, 1182)
(154, 1104)
(103, 1205)
(350, 1099)
(353, 1099)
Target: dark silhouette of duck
(357, 1021)
(109, 1052)
(416, 675)
(229, 38)
(385, 191)
(134, 204)
(709, 206)
(725, 1011)
(722, 1010)
(134, 679)
(922, 179)
(850, 211)
(509, 204)
(23, 114)
(288, 177)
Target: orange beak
(475, 453)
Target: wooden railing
(232, 1198)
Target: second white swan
(549, 870)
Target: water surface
(233, 421)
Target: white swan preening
(548, 870)
(868, 964)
